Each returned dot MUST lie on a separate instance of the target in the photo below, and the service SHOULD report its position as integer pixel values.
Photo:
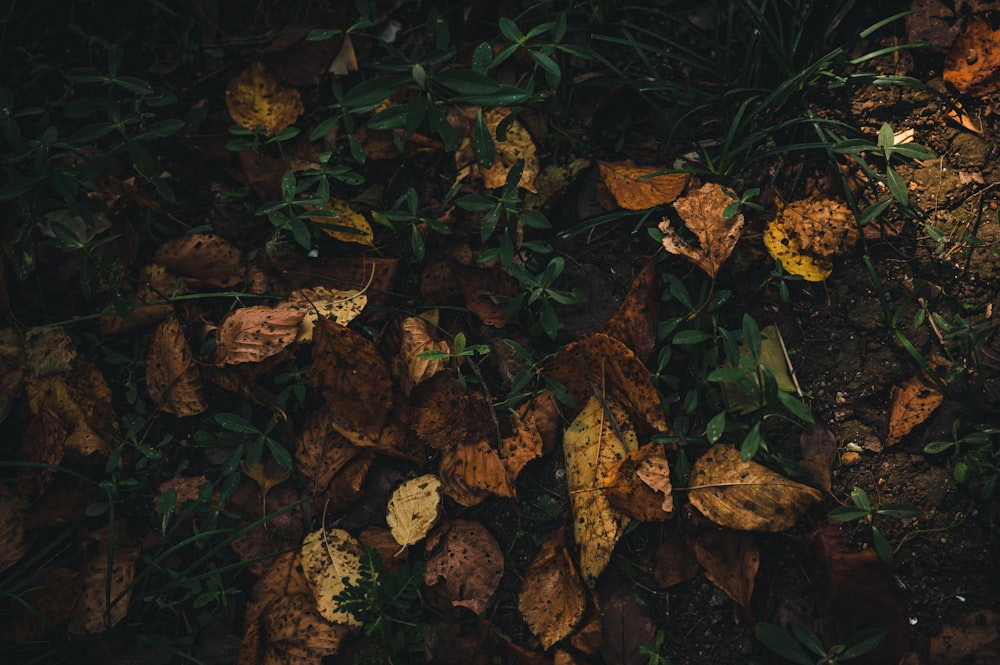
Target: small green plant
(789, 644)
(247, 439)
(974, 456)
(462, 350)
(388, 608)
(652, 652)
(864, 512)
(406, 213)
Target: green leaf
(716, 427)
(860, 499)
(882, 546)
(482, 142)
(899, 511)
(690, 337)
(862, 642)
(280, 454)
(796, 407)
(372, 92)
(751, 443)
(236, 423)
(161, 129)
(936, 447)
(845, 514)
(781, 643)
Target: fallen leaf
(104, 579)
(746, 495)
(819, 450)
(172, 377)
(731, 560)
(472, 471)
(635, 188)
(52, 600)
(251, 334)
(278, 533)
(348, 218)
(418, 336)
(283, 626)
(626, 626)
(702, 212)
(676, 561)
(597, 359)
(342, 306)
(12, 366)
(321, 451)
(331, 560)
(464, 564)
(204, 260)
(13, 526)
(806, 235)
(145, 304)
(639, 485)
(592, 447)
(636, 319)
(794, 261)
(972, 63)
(912, 403)
(413, 509)
(516, 145)
(81, 402)
(48, 351)
(487, 292)
(552, 599)
(970, 636)
(255, 99)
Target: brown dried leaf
(331, 559)
(418, 336)
(445, 415)
(639, 485)
(626, 626)
(617, 369)
(592, 448)
(256, 99)
(972, 64)
(51, 599)
(81, 400)
(821, 226)
(912, 403)
(346, 217)
(523, 445)
(278, 534)
(92, 613)
(342, 306)
(413, 509)
(746, 495)
(487, 292)
(204, 260)
(633, 191)
(352, 378)
(702, 211)
(676, 561)
(966, 637)
(552, 599)
(251, 334)
(819, 450)
(471, 471)
(731, 560)
(155, 284)
(321, 451)
(172, 376)
(283, 625)
(12, 361)
(636, 319)
(48, 351)
(517, 144)
(13, 524)
(464, 565)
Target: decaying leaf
(418, 336)
(819, 450)
(593, 445)
(516, 145)
(636, 319)
(676, 561)
(93, 613)
(312, 303)
(464, 565)
(11, 368)
(731, 560)
(746, 495)
(13, 525)
(626, 626)
(283, 626)
(552, 598)
(172, 376)
(52, 600)
(321, 452)
(639, 485)
(607, 363)
(702, 212)
(346, 217)
(251, 334)
(256, 99)
(48, 351)
(807, 234)
(972, 635)
(331, 559)
(912, 403)
(972, 64)
(635, 188)
(413, 509)
(146, 304)
(204, 260)
(487, 292)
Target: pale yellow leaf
(413, 509)
(329, 556)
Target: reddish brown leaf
(552, 598)
(321, 451)
(912, 403)
(635, 188)
(972, 635)
(625, 625)
(637, 317)
(13, 524)
(702, 212)
(487, 292)
(675, 561)
(172, 376)
(464, 565)
(972, 64)
(93, 613)
(731, 561)
(639, 485)
(204, 260)
(252, 334)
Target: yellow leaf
(413, 509)
(746, 495)
(517, 144)
(592, 448)
(256, 99)
(329, 557)
(783, 248)
(702, 212)
(346, 217)
(341, 306)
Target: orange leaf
(912, 403)
(702, 212)
(972, 64)
(172, 376)
(252, 334)
(552, 598)
(204, 260)
(639, 485)
(637, 317)
(635, 188)
(256, 99)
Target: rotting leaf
(819, 450)
(283, 625)
(635, 322)
(464, 565)
(413, 509)
(746, 495)
(635, 188)
(552, 599)
(639, 485)
(702, 212)
(12, 366)
(806, 235)
(204, 260)
(676, 561)
(101, 574)
(970, 637)
(592, 447)
(731, 560)
(626, 626)
(783, 248)
(418, 336)
(912, 403)
(312, 303)
(516, 145)
(145, 305)
(331, 559)
(321, 451)
(487, 292)
(256, 99)
(172, 376)
(251, 334)
(13, 526)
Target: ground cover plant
(562, 332)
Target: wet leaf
(731, 560)
(702, 212)
(283, 625)
(912, 403)
(172, 377)
(464, 564)
(331, 559)
(746, 495)
(552, 599)
(251, 334)
(592, 447)
(256, 99)
(639, 485)
(413, 509)
(634, 188)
